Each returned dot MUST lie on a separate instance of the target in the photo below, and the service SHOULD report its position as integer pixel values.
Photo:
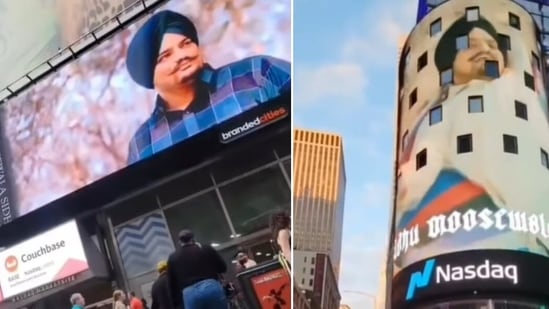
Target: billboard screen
(183, 70)
(473, 167)
(54, 25)
(51, 256)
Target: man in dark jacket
(194, 271)
(161, 297)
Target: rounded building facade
(472, 171)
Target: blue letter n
(419, 279)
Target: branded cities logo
(257, 123)
(11, 263)
(458, 273)
(468, 221)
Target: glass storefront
(227, 204)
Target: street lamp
(370, 296)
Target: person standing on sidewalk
(194, 272)
(77, 301)
(135, 302)
(160, 292)
(118, 299)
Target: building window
(422, 61)
(446, 77)
(491, 69)
(472, 13)
(251, 200)
(465, 143)
(413, 97)
(462, 42)
(544, 158)
(529, 81)
(404, 140)
(475, 104)
(436, 27)
(510, 144)
(435, 115)
(421, 159)
(505, 41)
(313, 260)
(287, 164)
(536, 60)
(207, 212)
(302, 281)
(312, 272)
(310, 282)
(521, 110)
(514, 21)
(305, 259)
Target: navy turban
(145, 45)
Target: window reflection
(288, 167)
(241, 162)
(184, 186)
(203, 215)
(250, 201)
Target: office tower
(472, 163)
(319, 193)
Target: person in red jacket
(135, 302)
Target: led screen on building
(186, 68)
(473, 166)
(55, 24)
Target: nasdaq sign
(449, 273)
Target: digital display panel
(54, 25)
(473, 167)
(51, 256)
(180, 71)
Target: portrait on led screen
(193, 96)
(183, 69)
(472, 167)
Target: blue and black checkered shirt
(224, 93)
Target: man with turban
(192, 96)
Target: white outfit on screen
(513, 181)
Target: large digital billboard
(54, 25)
(183, 70)
(53, 255)
(473, 166)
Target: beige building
(344, 307)
(319, 194)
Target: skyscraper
(319, 193)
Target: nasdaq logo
(420, 279)
(447, 273)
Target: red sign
(273, 289)
(11, 263)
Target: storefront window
(241, 162)
(201, 214)
(288, 167)
(133, 207)
(184, 186)
(283, 146)
(251, 201)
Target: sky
(345, 57)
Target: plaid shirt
(223, 93)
